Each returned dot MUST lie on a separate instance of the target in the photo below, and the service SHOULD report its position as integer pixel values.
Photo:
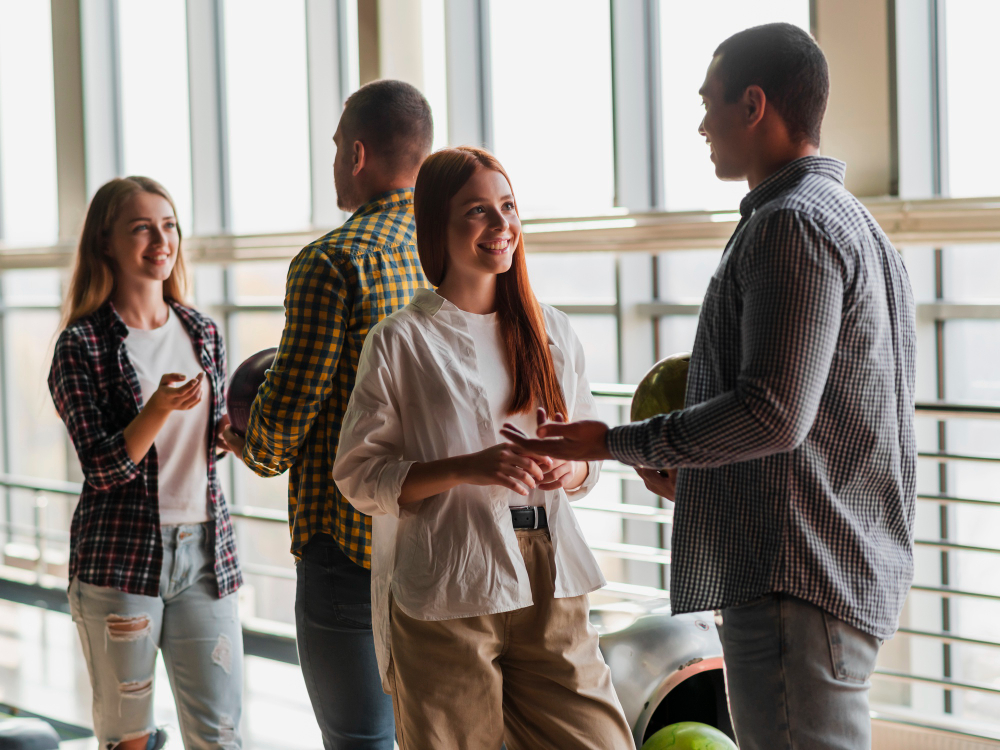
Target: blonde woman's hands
(168, 398)
(140, 433)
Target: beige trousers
(533, 678)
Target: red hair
(522, 325)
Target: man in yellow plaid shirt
(338, 288)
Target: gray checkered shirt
(797, 449)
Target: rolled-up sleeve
(103, 454)
(369, 467)
(792, 280)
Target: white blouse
(420, 397)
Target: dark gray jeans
(798, 678)
(333, 622)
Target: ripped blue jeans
(199, 633)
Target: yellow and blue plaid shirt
(338, 288)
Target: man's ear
(754, 105)
(360, 157)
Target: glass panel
(268, 108)
(688, 37)
(435, 83)
(684, 274)
(972, 273)
(581, 278)
(33, 287)
(156, 126)
(552, 117)
(29, 212)
(259, 283)
(599, 337)
(676, 334)
(970, 51)
(250, 333)
(39, 449)
(972, 358)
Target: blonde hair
(93, 279)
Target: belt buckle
(534, 510)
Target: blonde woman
(138, 378)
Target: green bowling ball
(662, 389)
(689, 735)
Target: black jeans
(333, 622)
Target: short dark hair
(393, 119)
(790, 68)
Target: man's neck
(775, 159)
(403, 182)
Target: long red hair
(522, 325)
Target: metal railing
(269, 642)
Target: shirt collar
(788, 176)
(428, 301)
(385, 201)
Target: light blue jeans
(798, 678)
(199, 633)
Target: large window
(27, 124)
(552, 124)
(268, 115)
(156, 131)
(973, 155)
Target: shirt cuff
(625, 444)
(593, 474)
(390, 485)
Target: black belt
(529, 517)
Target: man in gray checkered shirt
(796, 487)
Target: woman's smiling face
(483, 226)
(144, 239)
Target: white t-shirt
(495, 371)
(182, 444)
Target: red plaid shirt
(115, 535)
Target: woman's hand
(140, 433)
(168, 398)
(564, 474)
(504, 465)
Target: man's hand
(571, 441)
(233, 440)
(220, 442)
(662, 484)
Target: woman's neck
(477, 295)
(141, 305)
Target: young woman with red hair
(480, 572)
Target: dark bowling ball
(243, 388)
